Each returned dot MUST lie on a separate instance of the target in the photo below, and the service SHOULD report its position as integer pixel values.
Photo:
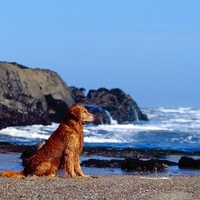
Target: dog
(61, 150)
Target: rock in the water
(121, 106)
(189, 163)
(135, 164)
(31, 96)
(131, 164)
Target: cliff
(31, 96)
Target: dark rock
(121, 106)
(153, 165)
(31, 96)
(131, 164)
(189, 163)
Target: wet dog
(61, 150)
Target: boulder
(152, 165)
(31, 96)
(121, 106)
(189, 163)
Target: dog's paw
(85, 176)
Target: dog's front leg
(77, 167)
(68, 164)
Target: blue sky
(148, 48)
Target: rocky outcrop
(121, 106)
(36, 96)
(31, 96)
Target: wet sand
(102, 187)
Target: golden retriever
(62, 149)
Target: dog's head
(81, 114)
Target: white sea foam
(127, 127)
(24, 133)
(101, 140)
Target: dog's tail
(11, 174)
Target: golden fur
(62, 149)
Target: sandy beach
(102, 187)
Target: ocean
(167, 129)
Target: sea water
(168, 129)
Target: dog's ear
(75, 112)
